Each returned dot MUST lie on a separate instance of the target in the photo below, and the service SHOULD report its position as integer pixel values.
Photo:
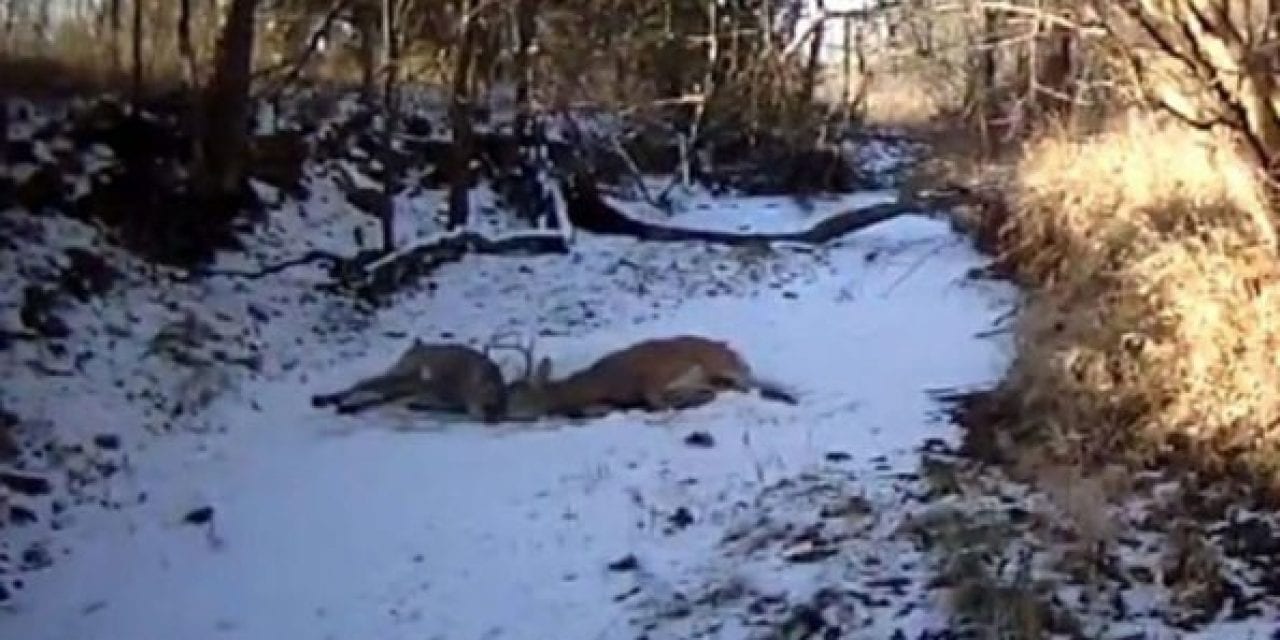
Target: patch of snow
(177, 401)
(392, 524)
(22, 171)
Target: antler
(497, 341)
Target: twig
(915, 266)
(309, 257)
(313, 44)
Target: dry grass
(910, 98)
(1155, 323)
(1130, 188)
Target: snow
(720, 522)
(396, 525)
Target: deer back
(632, 376)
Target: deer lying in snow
(440, 377)
(663, 373)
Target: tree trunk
(366, 23)
(1054, 69)
(846, 86)
(814, 64)
(227, 106)
(526, 35)
(185, 48)
(137, 51)
(983, 83)
(460, 121)
(187, 51)
(390, 104)
(527, 32)
(113, 21)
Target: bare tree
(526, 35)
(227, 106)
(365, 19)
(460, 114)
(187, 50)
(113, 20)
(391, 112)
(137, 50)
(816, 37)
(1209, 62)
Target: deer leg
(481, 412)
(325, 399)
(382, 389)
(592, 411)
(430, 402)
(690, 389)
(340, 397)
(689, 398)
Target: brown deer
(679, 372)
(439, 377)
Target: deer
(673, 373)
(433, 377)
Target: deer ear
(544, 371)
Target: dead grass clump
(1176, 344)
(1156, 328)
(1079, 204)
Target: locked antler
(500, 341)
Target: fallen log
(590, 212)
(376, 280)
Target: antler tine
(526, 351)
(495, 341)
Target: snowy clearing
(392, 524)
(174, 480)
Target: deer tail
(772, 390)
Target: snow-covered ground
(391, 524)
(177, 483)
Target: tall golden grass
(1154, 320)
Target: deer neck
(574, 392)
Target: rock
(25, 484)
(809, 553)
(700, 439)
(9, 448)
(37, 313)
(838, 456)
(87, 275)
(199, 516)
(258, 314)
(42, 191)
(1252, 537)
(108, 441)
(20, 515)
(35, 557)
(803, 622)
(681, 518)
(897, 585)
(851, 507)
(626, 563)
